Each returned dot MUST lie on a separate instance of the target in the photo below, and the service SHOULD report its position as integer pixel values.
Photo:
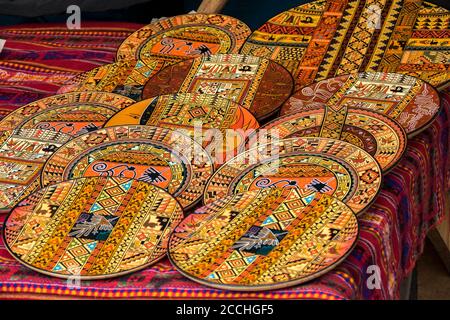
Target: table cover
(35, 61)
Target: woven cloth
(36, 61)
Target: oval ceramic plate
(263, 239)
(257, 84)
(92, 228)
(410, 101)
(323, 165)
(380, 136)
(165, 158)
(191, 112)
(23, 153)
(71, 113)
(323, 39)
(178, 38)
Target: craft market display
(245, 158)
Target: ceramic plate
(163, 157)
(178, 38)
(23, 153)
(263, 239)
(313, 164)
(380, 136)
(257, 84)
(191, 112)
(71, 113)
(410, 101)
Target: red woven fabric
(392, 232)
(38, 58)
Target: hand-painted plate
(163, 157)
(124, 77)
(92, 228)
(257, 84)
(410, 101)
(324, 165)
(23, 153)
(175, 39)
(380, 136)
(263, 239)
(325, 39)
(71, 113)
(193, 112)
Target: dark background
(252, 12)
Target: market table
(38, 59)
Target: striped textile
(392, 232)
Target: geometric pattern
(313, 164)
(172, 40)
(93, 228)
(192, 112)
(327, 38)
(71, 113)
(411, 101)
(166, 158)
(263, 239)
(22, 156)
(114, 77)
(374, 132)
(257, 84)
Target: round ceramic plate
(380, 136)
(410, 101)
(323, 39)
(323, 165)
(163, 157)
(263, 239)
(257, 84)
(175, 39)
(23, 153)
(189, 112)
(92, 228)
(122, 77)
(71, 113)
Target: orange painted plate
(263, 239)
(216, 123)
(92, 228)
(70, 113)
(258, 84)
(163, 157)
(313, 164)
